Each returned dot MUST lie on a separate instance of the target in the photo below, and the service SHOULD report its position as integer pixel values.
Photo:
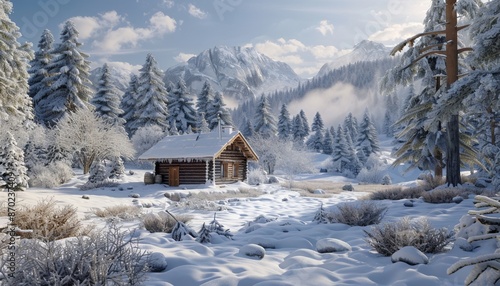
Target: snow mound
(409, 255)
(329, 245)
(253, 250)
(157, 262)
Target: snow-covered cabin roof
(197, 146)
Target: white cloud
(396, 33)
(109, 37)
(196, 12)
(182, 57)
(168, 3)
(325, 28)
(122, 66)
(324, 52)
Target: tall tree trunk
(453, 140)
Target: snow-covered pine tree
(315, 141)
(217, 109)
(38, 65)
(298, 132)
(390, 115)
(354, 165)
(247, 128)
(328, 143)
(321, 216)
(217, 227)
(340, 155)
(204, 98)
(202, 124)
(98, 173)
(15, 103)
(129, 100)
(204, 235)
(317, 123)
(351, 126)
(107, 100)
(68, 80)
(181, 108)
(367, 137)
(117, 169)
(284, 124)
(305, 127)
(13, 172)
(264, 122)
(152, 104)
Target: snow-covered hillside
(238, 72)
(365, 51)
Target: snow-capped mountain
(238, 72)
(121, 77)
(365, 51)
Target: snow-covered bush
(386, 180)
(104, 184)
(443, 196)
(145, 137)
(47, 221)
(373, 175)
(110, 257)
(358, 213)
(256, 177)
(387, 238)
(118, 211)
(480, 225)
(430, 182)
(396, 193)
(50, 176)
(161, 222)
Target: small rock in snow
(319, 192)
(253, 250)
(348, 188)
(329, 245)
(457, 199)
(157, 262)
(85, 197)
(284, 199)
(134, 195)
(409, 255)
(408, 204)
(273, 180)
(481, 183)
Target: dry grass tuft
(443, 196)
(118, 211)
(162, 222)
(361, 213)
(397, 193)
(430, 182)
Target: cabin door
(173, 176)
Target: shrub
(119, 211)
(372, 176)
(429, 182)
(397, 193)
(104, 184)
(109, 258)
(50, 176)
(256, 177)
(47, 221)
(388, 238)
(443, 196)
(358, 213)
(162, 222)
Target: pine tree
(305, 127)
(202, 124)
(15, 103)
(68, 79)
(264, 123)
(107, 100)
(98, 173)
(328, 143)
(181, 108)
(13, 172)
(351, 126)
(128, 103)
(367, 142)
(151, 107)
(204, 98)
(38, 66)
(340, 153)
(284, 124)
(298, 132)
(317, 123)
(247, 128)
(315, 141)
(217, 109)
(117, 168)
(204, 235)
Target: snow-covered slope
(121, 77)
(365, 51)
(236, 71)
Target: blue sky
(304, 34)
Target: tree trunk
(453, 153)
(438, 169)
(453, 142)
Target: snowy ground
(290, 239)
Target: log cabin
(218, 157)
